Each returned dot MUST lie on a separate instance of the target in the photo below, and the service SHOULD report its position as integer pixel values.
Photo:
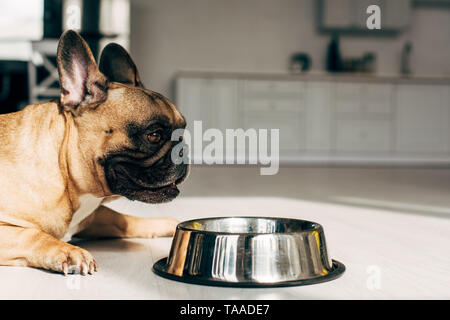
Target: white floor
(390, 227)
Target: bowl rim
(317, 226)
(160, 269)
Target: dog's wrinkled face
(124, 129)
(142, 169)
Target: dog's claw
(84, 268)
(68, 259)
(91, 268)
(65, 268)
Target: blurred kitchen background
(351, 103)
(339, 92)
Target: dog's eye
(155, 136)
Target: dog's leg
(105, 223)
(33, 248)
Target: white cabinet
(377, 98)
(363, 117)
(348, 97)
(211, 101)
(214, 102)
(274, 90)
(194, 98)
(319, 116)
(423, 119)
(359, 133)
(328, 120)
(225, 113)
(275, 105)
(291, 128)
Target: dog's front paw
(165, 227)
(155, 227)
(67, 258)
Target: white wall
(260, 35)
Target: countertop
(319, 76)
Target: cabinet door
(272, 105)
(377, 98)
(263, 89)
(422, 118)
(224, 104)
(348, 97)
(363, 118)
(291, 128)
(318, 116)
(357, 132)
(256, 88)
(194, 100)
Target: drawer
(348, 97)
(273, 105)
(289, 87)
(363, 135)
(350, 105)
(257, 86)
(377, 98)
(291, 129)
(371, 98)
(348, 91)
(377, 106)
(278, 89)
(423, 119)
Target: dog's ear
(117, 65)
(80, 79)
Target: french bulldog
(105, 137)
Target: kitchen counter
(390, 227)
(318, 76)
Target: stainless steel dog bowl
(249, 252)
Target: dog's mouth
(142, 184)
(168, 191)
(156, 186)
